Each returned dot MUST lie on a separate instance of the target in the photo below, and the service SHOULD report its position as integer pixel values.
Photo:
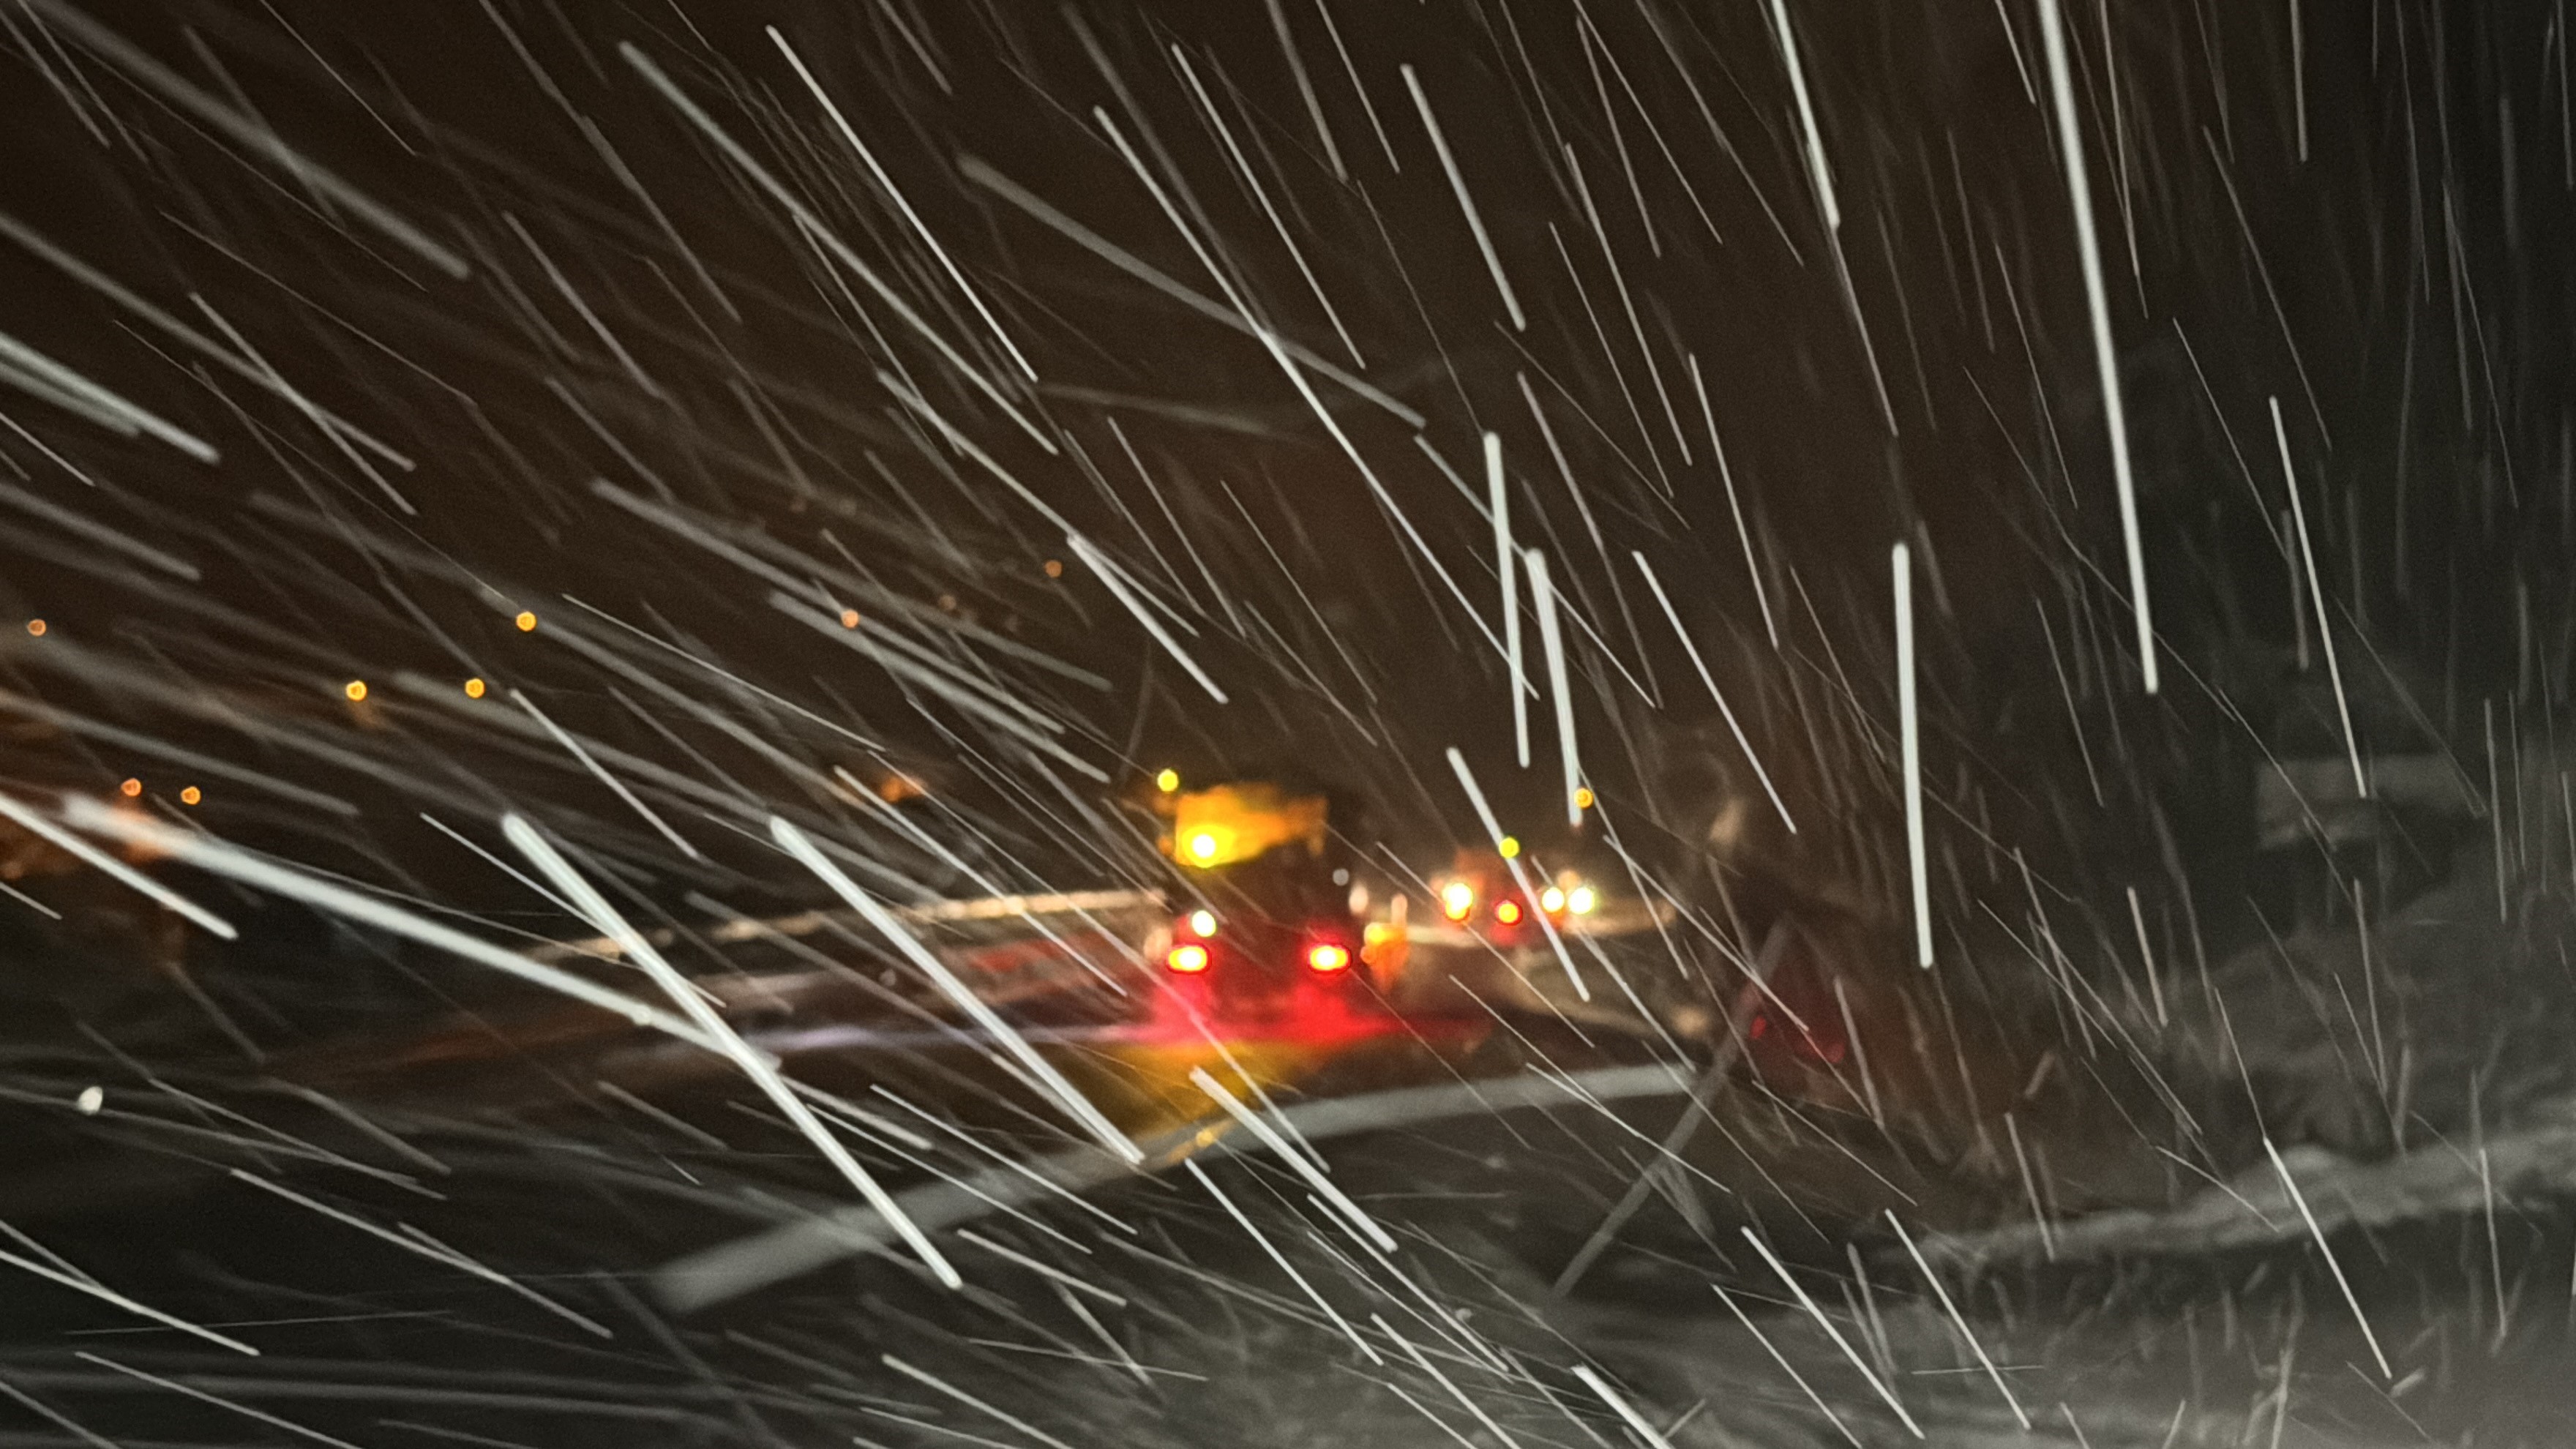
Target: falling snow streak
(770, 729)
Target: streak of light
(594, 907)
(1619, 1405)
(1910, 730)
(1280, 354)
(1786, 1367)
(2351, 1301)
(113, 868)
(918, 225)
(1878, 1385)
(1281, 1259)
(840, 250)
(1817, 169)
(61, 385)
(798, 845)
(2317, 597)
(1304, 1166)
(440, 1253)
(1056, 1275)
(249, 134)
(1423, 1363)
(1110, 577)
(1506, 560)
(605, 778)
(1723, 708)
(220, 1402)
(82, 1283)
(1551, 639)
(1957, 1321)
(1252, 181)
(1512, 863)
(1305, 90)
(1028, 201)
(2115, 415)
(1466, 203)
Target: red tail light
(1326, 957)
(1508, 912)
(1188, 960)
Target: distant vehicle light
(1326, 957)
(1508, 912)
(1168, 781)
(1203, 924)
(1582, 797)
(1551, 901)
(1509, 848)
(1188, 960)
(1582, 900)
(1457, 900)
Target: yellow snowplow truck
(1270, 894)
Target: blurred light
(191, 795)
(356, 689)
(474, 689)
(1457, 900)
(1508, 912)
(1055, 568)
(849, 618)
(1203, 846)
(130, 788)
(1188, 960)
(527, 622)
(1582, 797)
(1326, 957)
(1582, 900)
(36, 627)
(90, 1100)
(1551, 900)
(1511, 847)
(1168, 781)
(1202, 924)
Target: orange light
(849, 618)
(474, 689)
(1326, 957)
(191, 795)
(1508, 912)
(1188, 960)
(130, 789)
(526, 621)
(355, 689)
(36, 627)
(1055, 568)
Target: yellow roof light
(1168, 781)
(1510, 849)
